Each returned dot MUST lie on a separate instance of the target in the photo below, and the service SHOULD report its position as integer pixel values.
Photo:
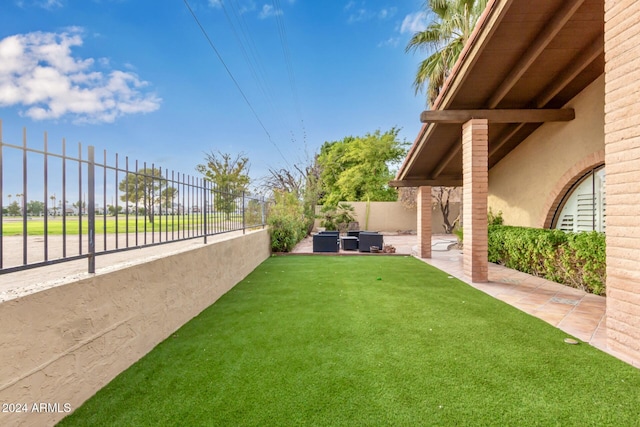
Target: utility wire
(204, 32)
(288, 63)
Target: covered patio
(543, 93)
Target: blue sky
(139, 78)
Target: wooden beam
(550, 30)
(443, 182)
(498, 116)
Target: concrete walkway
(573, 311)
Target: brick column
(475, 142)
(622, 154)
(424, 222)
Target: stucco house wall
(528, 182)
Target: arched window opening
(584, 206)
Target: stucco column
(475, 154)
(424, 222)
(622, 151)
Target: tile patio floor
(575, 312)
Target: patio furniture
(326, 241)
(353, 233)
(349, 243)
(368, 239)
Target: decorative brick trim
(565, 183)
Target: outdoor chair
(326, 241)
(368, 239)
(353, 233)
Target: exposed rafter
(537, 47)
(578, 64)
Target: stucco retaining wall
(61, 345)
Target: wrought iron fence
(104, 207)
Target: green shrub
(287, 222)
(574, 259)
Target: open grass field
(370, 340)
(35, 227)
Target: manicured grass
(370, 340)
(35, 227)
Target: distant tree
(80, 206)
(290, 181)
(53, 203)
(148, 188)
(303, 181)
(230, 176)
(35, 208)
(13, 209)
(111, 210)
(359, 168)
(441, 198)
(19, 196)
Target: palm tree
(444, 39)
(53, 203)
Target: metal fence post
(92, 209)
(204, 208)
(244, 214)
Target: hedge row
(574, 259)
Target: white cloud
(392, 41)
(50, 4)
(39, 74)
(414, 22)
(387, 13)
(45, 4)
(268, 11)
(217, 4)
(362, 13)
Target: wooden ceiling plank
(578, 64)
(545, 37)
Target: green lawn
(369, 340)
(35, 227)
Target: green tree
(147, 187)
(359, 168)
(443, 39)
(35, 208)
(111, 210)
(230, 176)
(13, 209)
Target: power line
(204, 32)
(288, 63)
